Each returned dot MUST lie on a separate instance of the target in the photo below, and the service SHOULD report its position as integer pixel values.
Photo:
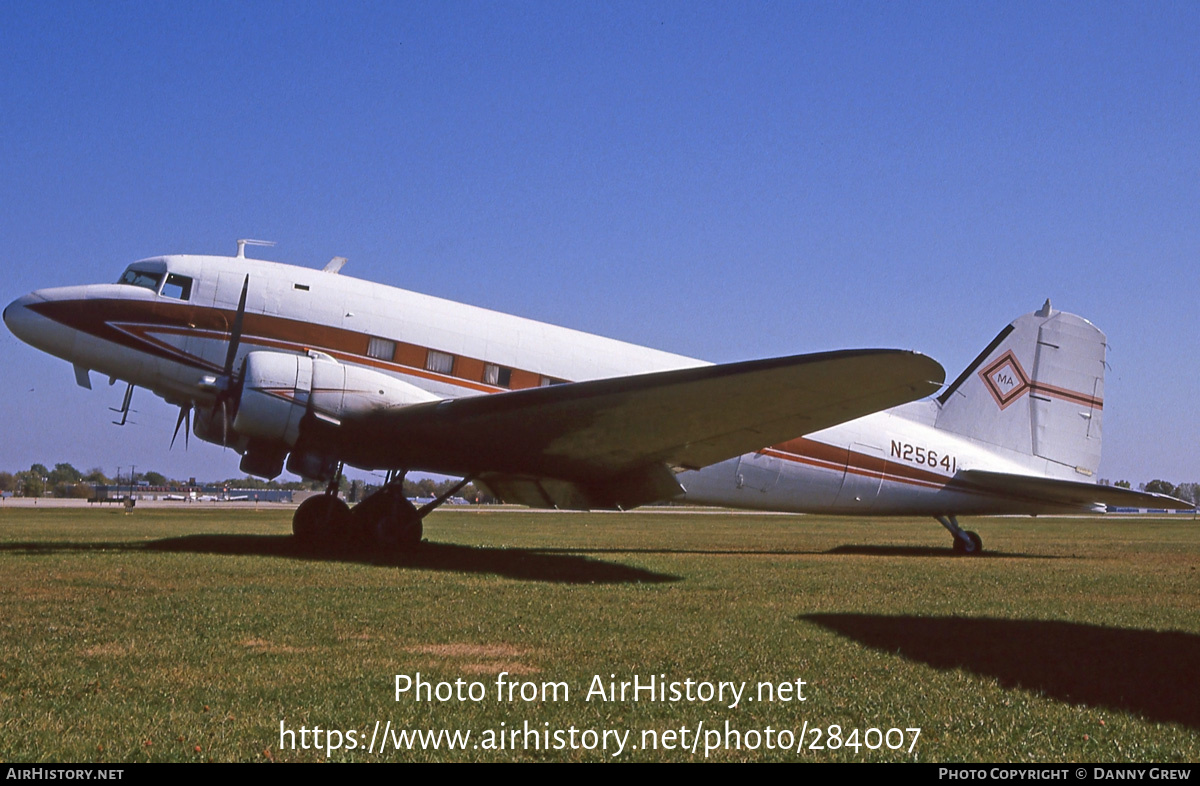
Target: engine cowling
(278, 390)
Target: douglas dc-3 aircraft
(311, 370)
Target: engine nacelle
(216, 426)
(279, 389)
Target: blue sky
(728, 181)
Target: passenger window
(178, 287)
(439, 362)
(381, 348)
(500, 376)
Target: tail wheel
(965, 542)
(973, 546)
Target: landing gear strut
(965, 542)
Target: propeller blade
(183, 414)
(236, 337)
(228, 384)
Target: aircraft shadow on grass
(1150, 673)
(928, 551)
(515, 563)
(867, 551)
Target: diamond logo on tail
(1005, 379)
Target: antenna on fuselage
(243, 242)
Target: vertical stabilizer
(1038, 390)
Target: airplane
(313, 371)
(192, 496)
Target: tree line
(66, 481)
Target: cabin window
(500, 376)
(381, 348)
(439, 362)
(141, 278)
(178, 287)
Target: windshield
(141, 278)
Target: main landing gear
(388, 521)
(385, 521)
(965, 542)
(320, 522)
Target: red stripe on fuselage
(131, 323)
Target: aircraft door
(202, 335)
(273, 295)
(210, 339)
(229, 291)
(863, 478)
(757, 472)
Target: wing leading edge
(614, 442)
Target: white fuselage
(891, 462)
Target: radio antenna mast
(243, 242)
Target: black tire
(365, 515)
(972, 547)
(976, 544)
(320, 521)
(386, 520)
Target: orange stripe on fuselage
(119, 321)
(803, 450)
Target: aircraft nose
(20, 318)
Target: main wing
(616, 442)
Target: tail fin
(1037, 389)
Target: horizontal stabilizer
(1068, 493)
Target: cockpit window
(140, 278)
(177, 286)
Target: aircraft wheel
(320, 521)
(365, 516)
(388, 521)
(971, 548)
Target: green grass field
(191, 634)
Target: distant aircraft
(311, 370)
(192, 496)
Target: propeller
(228, 385)
(236, 337)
